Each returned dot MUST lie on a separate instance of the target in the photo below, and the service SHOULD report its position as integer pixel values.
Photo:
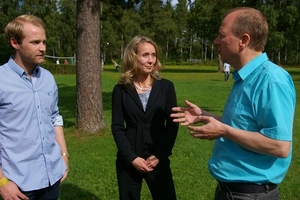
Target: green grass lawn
(92, 161)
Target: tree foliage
(183, 32)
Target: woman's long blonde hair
(129, 65)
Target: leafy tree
(164, 28)
(129, 27)
(201, 13)
(288, 25)
(180, 18)
(66, 27)
(276, 40)
(184, 31)
(8, 12)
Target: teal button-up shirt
(262, 100)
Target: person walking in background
(143, 130)
(57, 61)
(253, 138)
(33, 153)
(116, 65)
(226, 71)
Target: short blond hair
(15, 28)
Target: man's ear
(13, 42)
(244, 40)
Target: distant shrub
(60, 69)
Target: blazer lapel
(154, 92)
(134, 95)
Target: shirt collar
(244, 72)
(20, 71)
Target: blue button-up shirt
(29, 153)
(262, 100)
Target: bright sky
(174, 2)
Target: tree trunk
(212, 52)
(167, 49)
(278, 57)
(89, 108)
(220, 64)
(191, 46)
(205, 53)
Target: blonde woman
(143, 130)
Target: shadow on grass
(218, 80)
(179, 70)
(67, 103)
(112, 70)
(71, 191)
(173, 70)
(211, 110)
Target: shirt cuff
(58, 121)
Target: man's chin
(40, 61)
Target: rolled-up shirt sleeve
(58, 121)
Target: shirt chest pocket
(240, 115)
(46, 101)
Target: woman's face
(146, 58)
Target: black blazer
(142, 133)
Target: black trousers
(48, 193)
(159, 181)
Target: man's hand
(66, 160)
(186, 115)
(211, 130)
(10, 191)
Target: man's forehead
(228, 21)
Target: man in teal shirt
(253, 138)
